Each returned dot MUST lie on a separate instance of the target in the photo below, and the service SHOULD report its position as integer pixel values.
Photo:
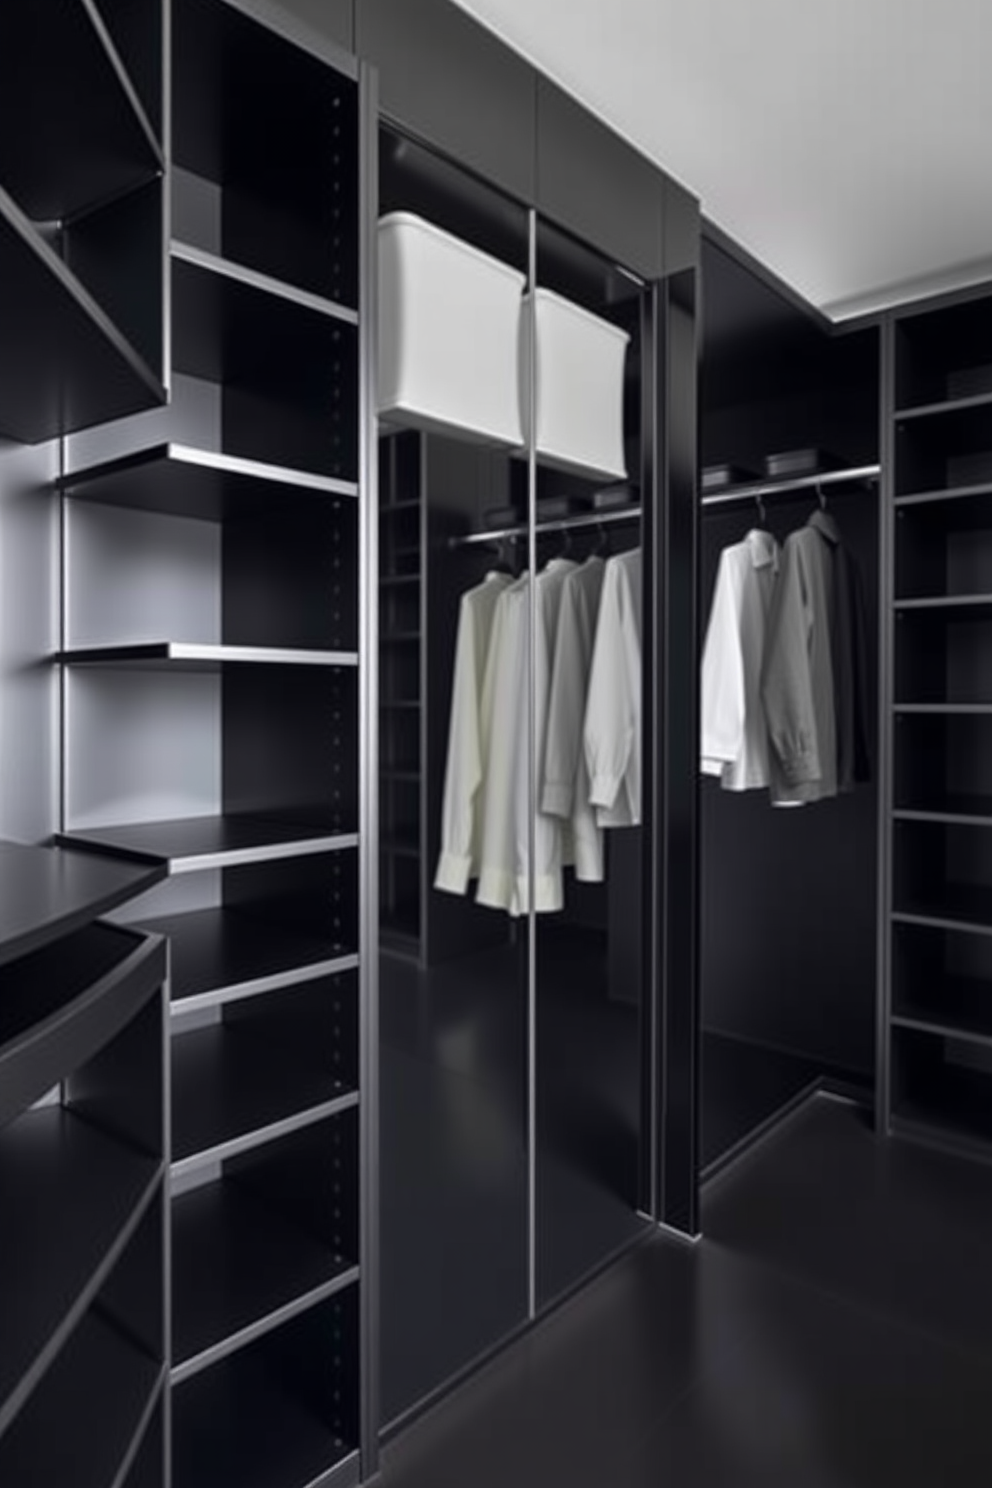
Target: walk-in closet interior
(788, 894)
(511, 1074)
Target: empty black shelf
(232, 1091)
(948, 807)
(71, 1199)
(950, 709)
(239, 1270)
(200, 842)
(957, 1007)
(220, 955)
(957, 906)
(62, 1004)
(72, 131)
(87, 1419)
(241, 1424)
(241, 274)
(189, 657)
(64, 365)
(401, 847)
(178, 480)
(956, 1107)
(48, 892)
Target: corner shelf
(178, 480)
(240, 1270)
(89, 1416)
(72, 1198)
(195, 843)
(74, 133)
(65, 366)
(233, 1092)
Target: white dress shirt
(612, 733)
(468, 738)
(565, 777)
(734, 731)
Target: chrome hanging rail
(785, 487)
(561, 524)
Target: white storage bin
(580, 366)
(449, 331)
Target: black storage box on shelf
(610, 498)
(495, 517)
(720, 477)
(794, 464)
(553, 508)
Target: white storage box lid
(579, 399)
(449, 329)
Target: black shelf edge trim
(937, 921)
(213, 263)
(252, 1331)
(947, 406)
(945, 602)
(947, 493)
(57, 1340)
(125, 83)
(919, 1023)
(296, 976)
(74, 483)
(187, 654)
(260, 1136)
(962, 709)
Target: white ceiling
(846, 143)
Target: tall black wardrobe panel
(681, 228)
(444, 78)
(334, 19)
(592, 182)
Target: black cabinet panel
(334, 19)
(443, 77)
(682, 229)
(592, 182)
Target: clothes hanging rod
(789, 487)
(562, 524)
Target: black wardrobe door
(334, 19)
(443, 77)
(593, 183)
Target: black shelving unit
(82, 214)
(213, 649)
(937, 987)
(83, 1163)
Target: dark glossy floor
(834, 1330)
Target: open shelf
(71, 1198)
(289, 375)
(225, 954)
(944, 452)
(233, 1090)
(64, 365)
(979, 604)
(943, 653)
(964, 906)
(943, 766)
(73, 132)
(945, 496)
(936, 1094)
(947, 407)
(88, 1416)
(270, 1415)
(46, 893)
(185, 656)
(942, 982)
(177, 480)
(61, 1005)
(200, 842)
(251, 278)
(948, 808)
(943, 358)
(965, 1012)
(239, 1270)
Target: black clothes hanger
(603, 542)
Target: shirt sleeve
(723, 696)
(611, 708)
(786, 678)
(463, 774)
(566, 711)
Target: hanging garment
(612, 731)
(797, 683)
(564, 775)
(504, 877)
(468, 738)
(849, 648)
(734, 734)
